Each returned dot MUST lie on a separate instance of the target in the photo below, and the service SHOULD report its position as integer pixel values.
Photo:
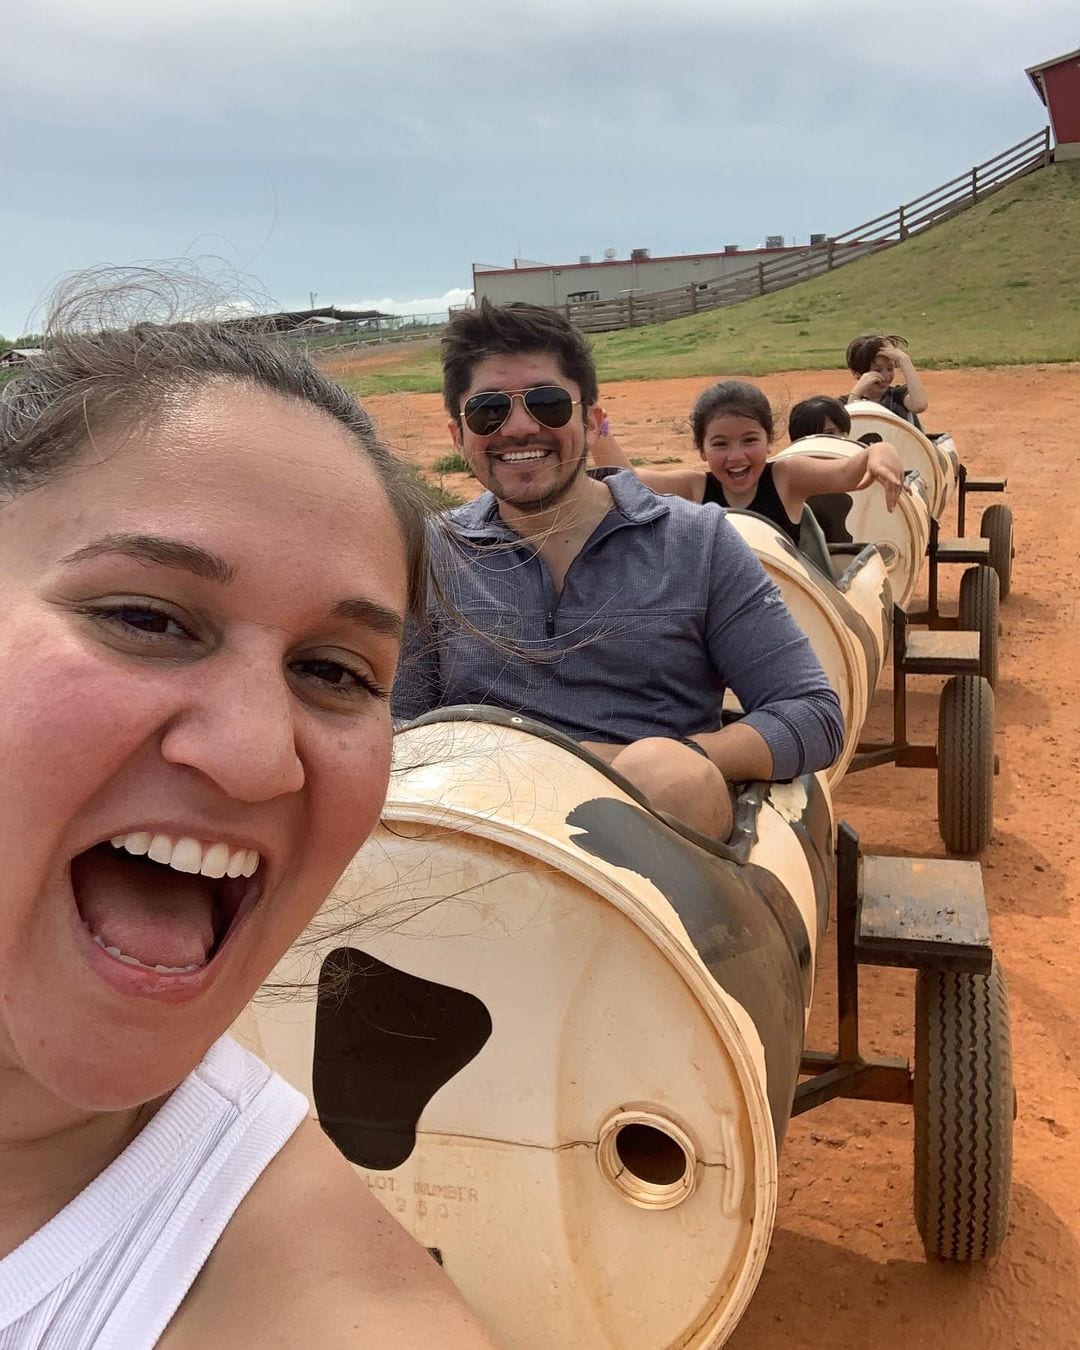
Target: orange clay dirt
(846, 1269)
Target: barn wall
(1062, 85)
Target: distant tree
(27, 340)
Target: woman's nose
(239, 730)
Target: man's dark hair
(731, 398)
(505, 330)
(808, 418)
(862, 350)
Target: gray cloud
(380, 148)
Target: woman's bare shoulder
(312, 1258)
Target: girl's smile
(735, 449)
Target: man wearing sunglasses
(614, 615)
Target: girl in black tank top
(765, 502)
(733, 429)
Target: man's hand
(602, 750)
(675, 779)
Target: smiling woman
(206, 560)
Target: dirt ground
(846, 1269)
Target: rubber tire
(965, 771)
(964, 1109)
(980, 613)
(997, 526)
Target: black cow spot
(813, 832)
(743, 923)
(832, 510)
(385, 1042)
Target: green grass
(997, 285)
(453, 463)
(438, 497)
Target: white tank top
(112, 1267)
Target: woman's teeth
(189, 855)
(134, 960)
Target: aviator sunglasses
(549, 404)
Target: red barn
(1057, 83)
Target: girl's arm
(807, 476)
(608, 453)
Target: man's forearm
(740, 752)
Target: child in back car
(818, 416)
(874, 360)
(733, 429)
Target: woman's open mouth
(164, 905)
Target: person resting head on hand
(207, 558)
(874, 361)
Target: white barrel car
(560, 1037)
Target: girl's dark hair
(862, 350)
(490, 330)
(808, 418)
(86, 380)
(734, 398)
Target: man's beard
(529, 500)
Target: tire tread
(963, 1113)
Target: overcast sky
(372, 150)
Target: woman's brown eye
(145, 619)
(339, 678)
(139, 620)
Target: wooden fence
(356, 336)
(960, 193)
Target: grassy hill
(997, 285)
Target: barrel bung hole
(651, 1154)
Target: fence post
(903, 225)
(975, 183)
(1046, 147)
(630, 309)
(693, 298)
(761, 278)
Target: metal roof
(1033, 72)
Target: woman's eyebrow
(153, 548)
(370, 614)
